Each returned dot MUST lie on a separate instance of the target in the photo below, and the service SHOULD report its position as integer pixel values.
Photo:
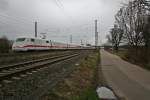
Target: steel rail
(24, 70)
(17, 65)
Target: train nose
(16, 47)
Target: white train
(27, 44)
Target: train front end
(19, 44)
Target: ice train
(28, 44)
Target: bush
(4, 45)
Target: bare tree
(146, 32)
(146, 38)
(115, 37)
(130, 18)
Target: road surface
(127, 80)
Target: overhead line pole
(96, 34)
(70, 38)
(35, 29)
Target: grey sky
(58, 18)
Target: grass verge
(132, 58)
(81, 84)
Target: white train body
(27, 44)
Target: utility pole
(35, 29)
(81, 42)
(70, 38)
(96, 34)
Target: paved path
(126, 79)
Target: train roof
(31, 37)
(48, 40)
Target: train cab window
(32, 40)
(20, 40)
(47, 41)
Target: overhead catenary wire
(24, 21)
(60, 5)
(20, 22)
(20, 19)
(12, 24)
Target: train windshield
(20, 40)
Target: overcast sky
(58, 18)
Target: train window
(20, 39)
(32, 40)
(47, 41)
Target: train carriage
(27, 44)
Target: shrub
(4, 45)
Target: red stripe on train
(39, 46)
(43, 46)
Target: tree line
(132, 28)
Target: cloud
(4, 5)
(58, 18)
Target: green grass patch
(91, 62)
(87, 94)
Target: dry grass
(79, 85)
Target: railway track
(14, 54)
(26, 81)
(7, 72)
(27, 56)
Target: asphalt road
(127, 80)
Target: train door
(51, 45)
(32, 44)
(37, 44)
(47, 44)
